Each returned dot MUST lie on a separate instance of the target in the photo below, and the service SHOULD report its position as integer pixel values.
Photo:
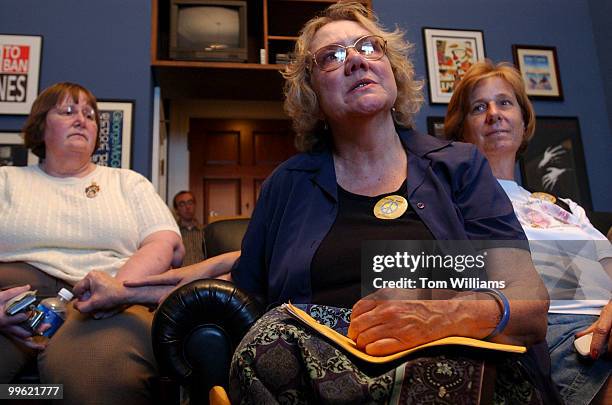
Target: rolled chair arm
(196, 330)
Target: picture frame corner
(127, 108)
(477, 52)
(549, 76)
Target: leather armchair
(195, 332)
(198, 326)
(223, 236)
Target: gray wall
(565, 24)
(103, 45)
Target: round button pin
(390, 207)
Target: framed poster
(116, 125)
(13, 152)
(554, 160)
(449, 54)
(540, 71)
(20, 58)
(435, 127)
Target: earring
(325, 127)
(394, 114)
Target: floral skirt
(281, 361)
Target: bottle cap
(65, 294)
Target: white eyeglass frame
(70, 110)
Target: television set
(208, 30)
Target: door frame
(180, 113)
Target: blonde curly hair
(301, 103)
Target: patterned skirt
(280, 361)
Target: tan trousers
(107, 361)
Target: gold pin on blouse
(92, 190)
(390, 207)
(544, 196)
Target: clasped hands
(103, 295)
(100, 294)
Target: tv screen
(208, 30)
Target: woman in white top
(490, 109)
(70, 223)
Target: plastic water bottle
(54, 309)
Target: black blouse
(335, 269)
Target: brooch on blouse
(544, 196)
(92, 190)
(390, 207)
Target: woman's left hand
(100, 294)
(602, 333)
(382, 324)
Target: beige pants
(107, 361)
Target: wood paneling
(223, 148)
(272, 148)
(222, 198)
(230, 158)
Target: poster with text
(116, 119)
(20, 58)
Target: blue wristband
(503, 301)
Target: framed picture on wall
(13, 152)
(540, 70)
(449, 54)
(116, 127)
(20, 57)
(435, 126)
(554, 160)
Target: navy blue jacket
(450, 186)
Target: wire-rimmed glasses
(331, 57)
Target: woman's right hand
(385, 322)
(10, 325)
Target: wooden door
(229, 160)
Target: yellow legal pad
(350, 346)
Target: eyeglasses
(183, 204)
(331, 57)
(71, 110)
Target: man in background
(185, 207)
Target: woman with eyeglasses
(67, 222)
(365, 174)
